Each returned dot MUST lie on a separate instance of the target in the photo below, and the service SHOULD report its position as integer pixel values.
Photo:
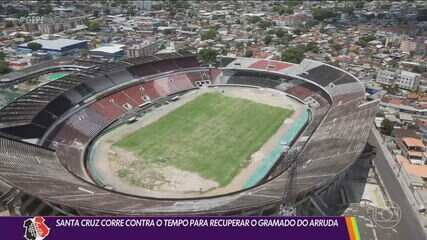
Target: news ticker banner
(170, 228)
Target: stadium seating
(214, 73)
(179, 82)
(333, 139)
(162, 86)
(149, 90)
(108, 109)
(23, 110)
(187, 62)
(324, 75)
(301, 91)
(270, 65)
(254, 78)
(136, 93)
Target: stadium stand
(179, 82)
(270, 65)
(149, 90)
(136, 93)
(324, 75)
(335, 136)
(160, 63)
(255, 78)
(25, 108)
(214, 73)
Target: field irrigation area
(213, 135)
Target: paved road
(409, 227)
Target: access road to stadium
(190, 183)
(409, 227)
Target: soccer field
(213, 135)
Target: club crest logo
(36, 228)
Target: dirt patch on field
(155, 175)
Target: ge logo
(388, 217)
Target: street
(409, 226)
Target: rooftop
(113, 48)
(413, 142)
(416, 170)
(57, 44)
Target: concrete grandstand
(46, 135)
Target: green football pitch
(213, 135)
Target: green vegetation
(45, 10)
(359, 4)
(249, 53)
(311, 47)
(268, 39)
(293, 54)
(364, 40)
(7, 95)
(321, 14)
(254, 19)
(210, 34)
(296, 54)
(391, 89)
(93, 26)
(387, 126)
(208, 55)
(283, 10)
(34, 46)
(419, 69)
(337, 47)
(264, 24)
(4, 66)
(293, 3)
(213, 135)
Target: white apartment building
(403, 79)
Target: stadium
(164, 135)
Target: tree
(364, 40)
(311, 47)
(267, 39)
(254, 19)
(391, 89)
(168, 31)
(264, 24)
(34, 46)
(249, 53)
(28, 38)
(282, 10)
(208, 55)
(210, 34)
(337, 47)
(283, 37)
(293, 3)
(321, 14)
(387, 126)
(9, 24)
(359, 4)
(293, 54)
(45, 10)
(280, 33)
(4, 67)
(348, 10)
(93, 26)
(418, 69)
(84, 52)
(2, 56)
